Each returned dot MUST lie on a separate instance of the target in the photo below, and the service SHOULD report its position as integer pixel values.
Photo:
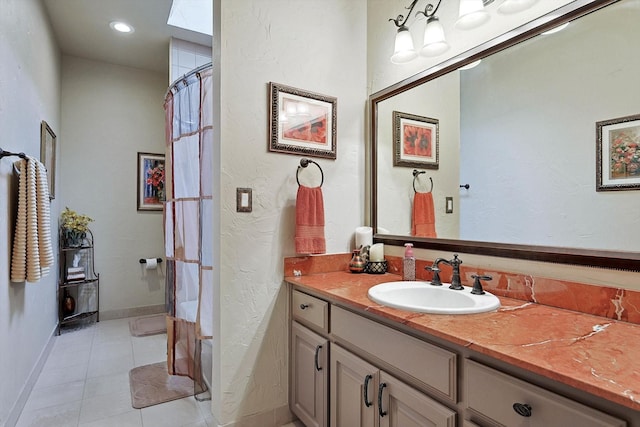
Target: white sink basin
(426, 298)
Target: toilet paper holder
(144, 261)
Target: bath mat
(152, 385)
(148, 325)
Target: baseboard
(23, 396)
(132, 312)
(276, 417)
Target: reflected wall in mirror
(520, 130)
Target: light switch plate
(449, 205)
(244, 202)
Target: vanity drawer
(430, 366)
(493, 394)
(310, 310)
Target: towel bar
(4, 153)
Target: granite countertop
(594, 354)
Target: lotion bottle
(408, 263)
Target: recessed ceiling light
(121, 27)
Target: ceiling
(82, 29)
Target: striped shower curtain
(188, 219)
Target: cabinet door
(354, 386)
(310, 372)
(403, 406)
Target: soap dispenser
(408, 263)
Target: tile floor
(85, 383)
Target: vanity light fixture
(121, 27)
(434, 41)
(403, 48)
(471, 15)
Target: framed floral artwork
(48, 156)
(302, 122)
(618, 154)
(415, 141)
(151, 189)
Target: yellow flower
(73, 221)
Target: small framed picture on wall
(151, 185)
(415, 141)
(302, 122)
(618, 154)
(48, 156)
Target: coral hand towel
(423, 219)
(310, 221)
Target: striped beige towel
(32, 253)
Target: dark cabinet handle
(380, 389)
(366, 391)
(304, 306)
(318, 367)
(522, 409)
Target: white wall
(109, 114)
(30, 88)
(315, 45)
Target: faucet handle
(477, 286)
(435, 280)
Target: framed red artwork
(302, 122)
(415, 141)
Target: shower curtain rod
(185, 77)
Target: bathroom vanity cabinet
(352, 368)
(78, 283)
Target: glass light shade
(514, 6)
(435, 42)
(404, 50)
(471, 14)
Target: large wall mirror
(520, 130)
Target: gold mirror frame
(586, 257)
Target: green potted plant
(74, 227)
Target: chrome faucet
(455, 276)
